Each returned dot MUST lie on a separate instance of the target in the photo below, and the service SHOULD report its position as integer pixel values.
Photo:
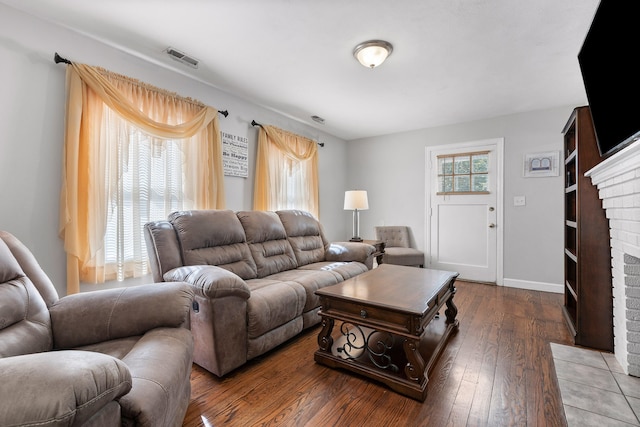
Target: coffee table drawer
(382, 318)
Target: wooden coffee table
(390, 327)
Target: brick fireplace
(618, 181)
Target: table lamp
(356, 200)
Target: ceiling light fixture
(372, 53)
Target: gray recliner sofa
(255, 274)
(118, 357)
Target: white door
(464, 209)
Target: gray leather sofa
(254, 273)
(104, 358)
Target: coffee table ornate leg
(414, 370)
(452, 311)
(325, 340)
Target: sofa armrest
(59, 387)
(210, 281)
(350, 251)
(163, 248)
(93, 317)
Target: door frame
(470, 145)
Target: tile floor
(595, 390)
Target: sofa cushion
(272, 304)
(117, 348)
(344, 270)
(305, 235)
(403, 256)
(267, 240)
(25, 326)
(311, 281)
(60, 387)
(214, 237)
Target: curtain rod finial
(58, 59)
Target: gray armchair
(105, 358)
(397, 248)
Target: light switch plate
(519, 200)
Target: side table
(379, 252)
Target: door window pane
(445, 184)
(445, 166)
(466, 173)
(480, 183)
(462, 183)
(480, 163)
(461, 165)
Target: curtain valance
(117, 101)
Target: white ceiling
(453, 60)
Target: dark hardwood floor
(496, 371)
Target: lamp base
(355, 239)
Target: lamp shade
(356, 199)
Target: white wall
(392, 169)
(32, 129)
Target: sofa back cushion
(214, 237)
(268, 242)
(305, 234)
(163, 248)
(25, 324)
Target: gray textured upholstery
(255, 275)
(112, 357)
(398, 248)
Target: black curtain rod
(254, 123)
(58, 59)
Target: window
(144, 182)
(466, 173)
(286, 172)
(133, 153)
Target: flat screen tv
(610, 64)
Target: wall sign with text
(235, 155)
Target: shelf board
(571, 255)
(571, 157)
(570, 321)
(571, 290)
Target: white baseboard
(534, 286)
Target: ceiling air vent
(182, 57)
(317, 119)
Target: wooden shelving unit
(588, 300)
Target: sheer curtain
(133, 153)
(286, 172)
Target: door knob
(492, 225)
